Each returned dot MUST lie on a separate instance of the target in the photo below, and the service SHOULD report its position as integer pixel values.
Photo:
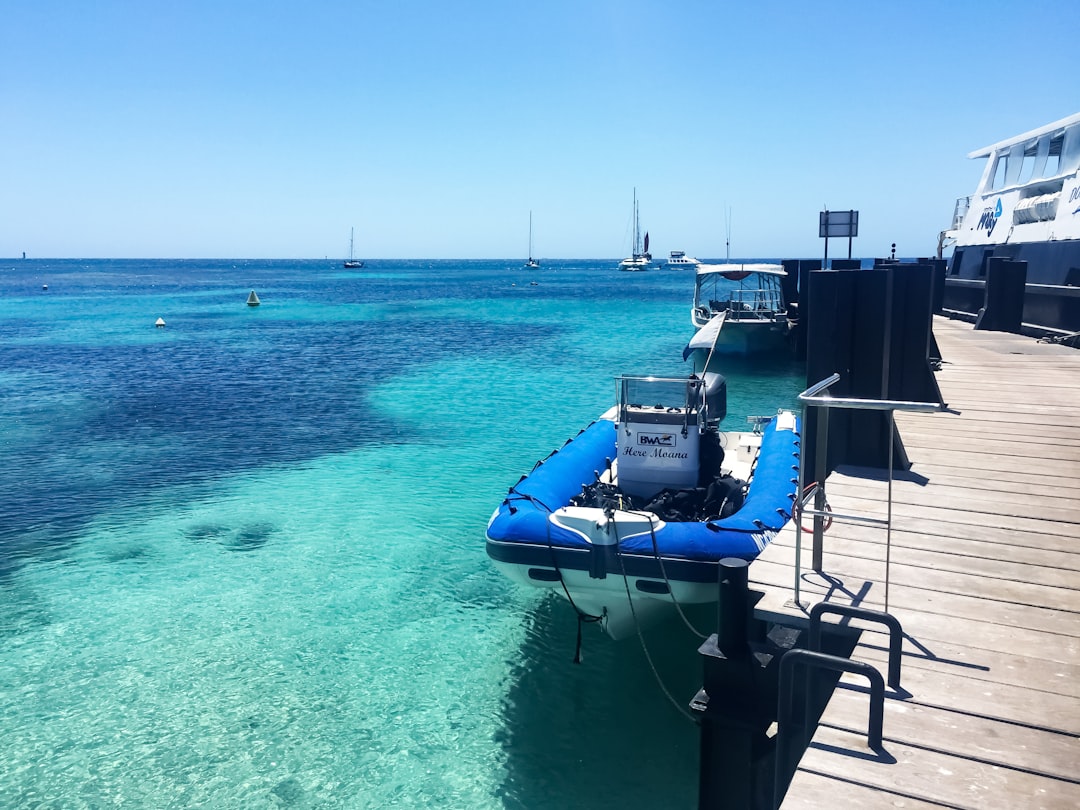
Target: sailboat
(640, 258)
(531, 262)
(351, 262)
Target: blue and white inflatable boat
(633, 514)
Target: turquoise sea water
(242, 557)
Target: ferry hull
(1052, 295)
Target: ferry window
(1042, 151)
(1027, 168)
(1053, 157)
(1014, 164)
(999, 171)
(1070, 151)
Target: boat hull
(1052, 295)
(751, 337)
(628, 568)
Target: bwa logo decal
(656, 439)
(989, 218)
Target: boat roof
(986, 151)
(765, 269)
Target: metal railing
(818, 396)
(788, 735)
(959, 212)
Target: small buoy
(253, 300)
(159, 323)
(44, 286)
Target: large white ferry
(1026, 208)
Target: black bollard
(1003, 309)
(731, 727)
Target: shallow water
(242, 559)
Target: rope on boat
(663, 573)
(641, 636)
(582, 616)
(797, 508)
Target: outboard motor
(659, 434)
(715, 397)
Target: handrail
(785, 698)
(810, 397)
(817, 396)
(896, 633)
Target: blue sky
(268, 129)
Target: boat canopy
(737, 272)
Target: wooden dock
(984, 577)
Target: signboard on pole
(844, 224)
(838, 223)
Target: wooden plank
(959, 511)
(1034, 442)
(930, 772)
(869, 542)
(921, 474)
(959, 592)
(940, 674)
(1044, 505)
(817, 791)
(776, 581)
(1049, 751)
(850, 541)
(1000, 601)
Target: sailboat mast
(351, 231)
(637, 229)
(530, 236)
(727, 243)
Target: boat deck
(984, 577)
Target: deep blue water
(242, 558)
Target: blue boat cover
(523, 516)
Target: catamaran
(639, 258)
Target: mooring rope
(641, 636)
(663, 573)
(582, 616)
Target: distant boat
(351, 262)
(531, 262)
(678, 258)
(639, 258)
(253, 300)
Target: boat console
(666, 430)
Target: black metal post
(725, 707)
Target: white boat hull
(621, 615)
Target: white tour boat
(738, 309)
(679, 260)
